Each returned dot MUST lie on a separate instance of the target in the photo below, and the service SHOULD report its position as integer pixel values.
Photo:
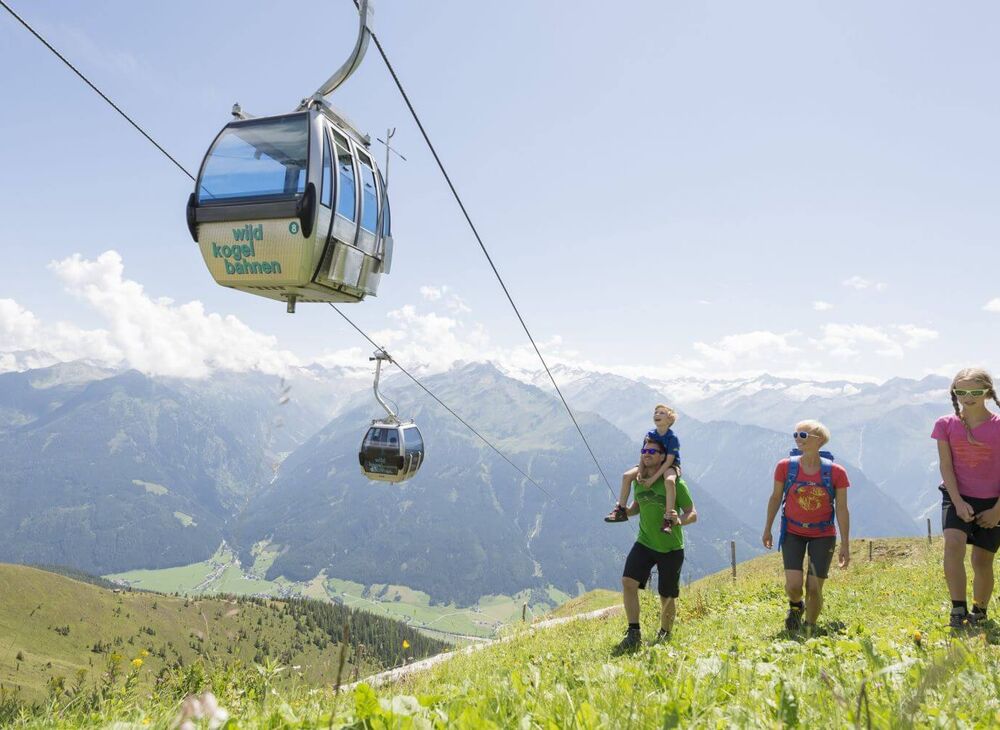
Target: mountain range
(108, 471)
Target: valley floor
(222, 573)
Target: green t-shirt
(652, 501)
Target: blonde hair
(670, 411)
(817, 428)
(979, 377)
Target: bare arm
(951, 483)
(773, 504)
(688, 516)
(844, 520)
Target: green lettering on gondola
(234, 255)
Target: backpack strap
(790, 478)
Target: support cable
(403, 370)
(99, 92)
(439, 401)
(489, 259)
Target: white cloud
(850, 340)
(916, 336)
(747, 345)
(993, 305)
(155, 336)
(861, 283)
(453, 302)
(822, 306)
(432, 293)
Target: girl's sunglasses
(650, 451)
(802, 434)
(974, 393)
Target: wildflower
(203, 707)
(137, 663)
(144, 653)
(406, 644)
(918, 637)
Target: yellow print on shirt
(971, 455)
(810, 498)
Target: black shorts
(980, 537)
(640, 562)
(820, 549)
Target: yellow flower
(406, 644)
(917, 637)
(137, 662)
(144, 653)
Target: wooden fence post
(928, 530)
(871, 544)
(732, 556)
(524, 612)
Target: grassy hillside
(883, 657)
(55, 631)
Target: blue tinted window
(345, 166)
(265, 159)
(369, 198)
(326, 195)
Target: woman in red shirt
(808, 521)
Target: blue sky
(704, 188)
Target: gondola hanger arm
(366, 14)
(379, 357)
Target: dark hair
(657, 444)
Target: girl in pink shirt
(969, 452)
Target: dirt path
(394, 675)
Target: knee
(630, 585)
(982, 560)
(954, 542)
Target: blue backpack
(791, 480)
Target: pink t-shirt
(977, 465)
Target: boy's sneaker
(667, 525)
(618, 514)
(959, 618)
(631, 642)
(793, 621)
(662, 637)
(976, 615)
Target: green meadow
(883, 656)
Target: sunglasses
(974, 393)
(650, 451)
(803, 434)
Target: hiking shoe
(631, 642)
(667, 525)
(618, 514)
(793, 621)
(959, 618)
(976, 615)
(662, 637)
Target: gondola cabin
(391, 451)
(293, 208)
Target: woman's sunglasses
(802, 434)
(974, 393)
(650, 451)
